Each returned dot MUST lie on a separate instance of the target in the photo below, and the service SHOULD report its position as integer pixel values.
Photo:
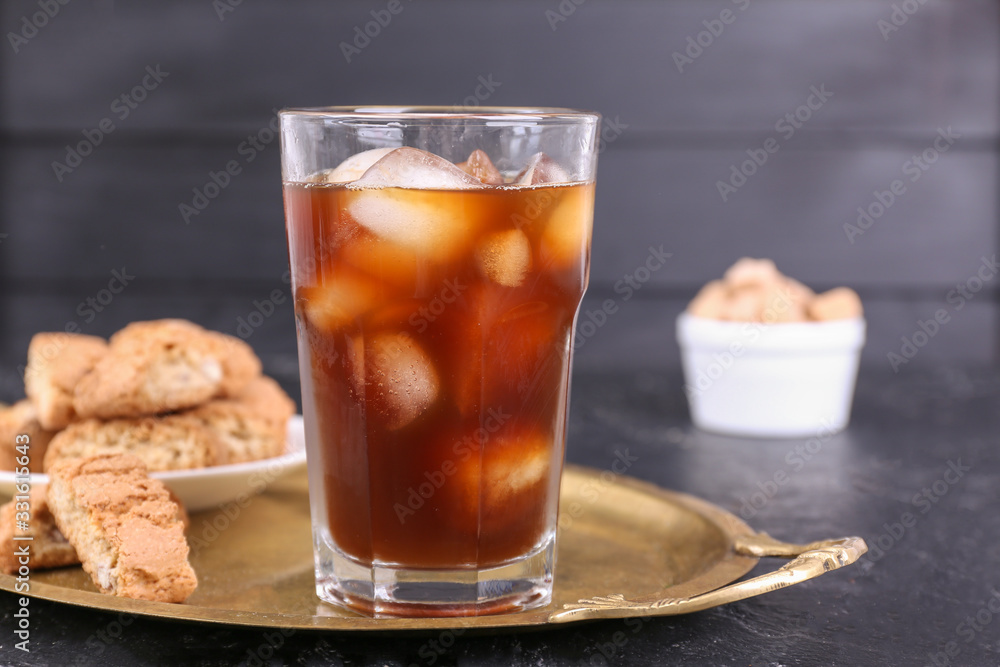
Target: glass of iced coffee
(438, 258)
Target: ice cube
(506, 463)
(839, 303)
(353, 167)
(480, 166)
(400, 381)
(512, 464)
(415, 169)
(387, 262)
(434, 225)
(567, 233)
(542, 169)
(505, 257)
(710, 301)
(336, 303)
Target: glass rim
(391, 113)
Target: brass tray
(626, 548)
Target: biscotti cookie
(244, 435)
(124, 526)
(268, 400)
(56, 363)
(161, 366)
(251, 426)
(47, 547)
(754, 290)
(173, 442)
(21, 419)
(240, 366)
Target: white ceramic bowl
(789, 380)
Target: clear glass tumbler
(438, 258)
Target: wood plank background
(679, 131)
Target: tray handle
(809, 560)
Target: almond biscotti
(268, 400)
(253, 425)
(125, 527)
(47, 547)
(173, 442)
(240, 365)
(162, 366)
(56, 363)
(21, 419)
(249, 427)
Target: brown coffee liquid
(439, 358)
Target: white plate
(204, 488)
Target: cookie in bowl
(764, 356)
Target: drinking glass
(438, 257)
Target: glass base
(384, 590)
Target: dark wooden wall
(672, 136)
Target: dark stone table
(917, 475)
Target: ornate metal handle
(810, 560)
